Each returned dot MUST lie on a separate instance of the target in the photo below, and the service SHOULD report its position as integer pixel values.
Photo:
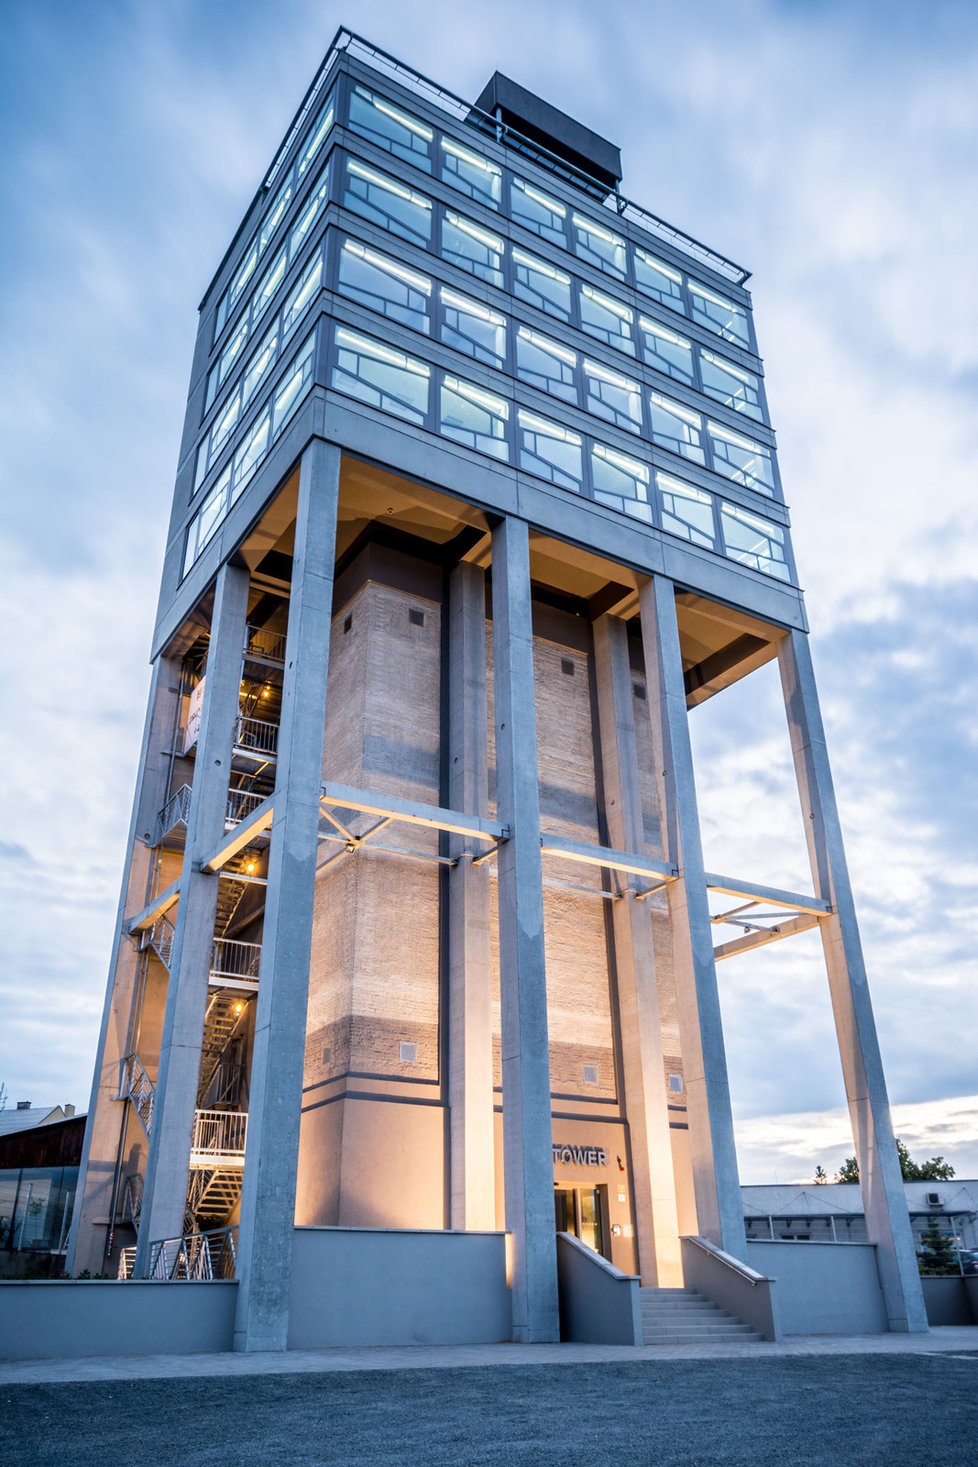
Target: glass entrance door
(581, 1211)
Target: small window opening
(567, 665)
(590, 1074)
(416, 617)
(347, 624)
(639, 690)
(409, 1053)
(676, 1084)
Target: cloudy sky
(833, 147)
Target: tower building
(477, 501)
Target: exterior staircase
(226, 1010)
(685, 1317)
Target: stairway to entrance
(686, 1317)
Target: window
(667, 352)
(471, 248)
(251, 452)
(753, 541)
(223, 425)
(303, 293)
(294, 385)
(388, 127)
(318, 135)
(597, 245)
(470, 173)
(312, 206)
(229, 356)
(546, 364)
(274, 217)
(611, 396)
(245, 271)
(207, 519)
(620, 481)
(258, 368)
(267, 287)
(538, 211)
(730, 385)
(475, 417)
(384, 285)
(742, 460)
(677, 428)
(381, 376)
(541, 284)
(686, 511)
(719, 315)
(658, 280)
(550, 451)
(473, 328)
(676, 1084)
(607, 319)
(394, 207)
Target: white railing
(233, 959)
(175, 812)
(134, 1198)
(127, 1263)
(194, 1257)
(220, 1137)
(269, 646)
(256, 736)
(161, 936)
(241, 804)
(139, 1089)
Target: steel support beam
(411, 812)
(803, 923)
(773, 895)
(611, 860)
(240, 836)
(160, 904)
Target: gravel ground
(884, 1411)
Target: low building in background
(833, 1213)
(40, 1152)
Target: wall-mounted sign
(194, 711)
(579, 1155)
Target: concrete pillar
(168, 1161)
(716, 1185)
(884, 1199)
(268, 1198)
(527, 1126)
(469, 999)
(91, 1222)
(643, 1067)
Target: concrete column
(168, 1160)
(91, 1222)
(268, 1197)
(469, 1000)
(527, 1125)
(716, 1185)
(643, 1067)
(884, 1200)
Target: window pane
(659, 280)
(620, 481)
(724, 317)
(538, 211)
(294, 385)
(207, 519)
(472, 328)
(546, 364)
(686, 511)
(223, 423)
(245, 271)
(471, 173)
(730, 385)
(607, 319)
(742, 460)
(260, 365)
(380, 375)
(471, 248)
(320, 131)
(388, 127)
(251, 452)
(597, 245)
(303, 293)
(213, 381)
(542, 285)
(232, 350)
(612, 396)
(677, 428)
(312, 206)
(753, 541)
(666, 351)
(475, 417)
(550, 451)
(274, 217)
(269, 284)
(387, 203)
(384, 285)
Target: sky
(833, 147)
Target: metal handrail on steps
(727, 1259)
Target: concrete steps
(685, 1317)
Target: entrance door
(565, 1210)
(581, 1211)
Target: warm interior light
(239, 1008)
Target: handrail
(233, 959)
(176, 811)
(260, 642)
(256, 734)
(161, 938)
(217, 1134)
(241, 803)
(139, 1090)
(194, 1257)
(734, 1264)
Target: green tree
(821, 1176)
(934, 1170)
(937, 1254)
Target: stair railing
(139, 1090)
(256, 735)
(233, 959)
(194, 1257)
(241, 803)
(175, 812)
(219, 1136)
(269, 646)
(161, 936)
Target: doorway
(583, 1211)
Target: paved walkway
(956, 1341)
